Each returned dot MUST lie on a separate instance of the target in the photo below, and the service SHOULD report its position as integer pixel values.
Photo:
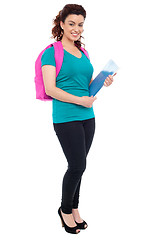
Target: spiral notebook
(110, 69)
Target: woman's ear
(61, 24)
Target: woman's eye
(73, 24)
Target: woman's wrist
(78, 100)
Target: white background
(120, 189)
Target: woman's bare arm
(49, 78)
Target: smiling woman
(70, 18)
(72, 107)
(73, 114)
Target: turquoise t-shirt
(74, 78)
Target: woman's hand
(87, 101)
(108, 81)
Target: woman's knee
(78, 170)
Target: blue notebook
(109, 69)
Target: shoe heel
(67, 228)
(62, 223)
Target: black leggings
(75, 138)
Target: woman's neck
(67, 43)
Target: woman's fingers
(108, 80)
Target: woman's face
(73, 26)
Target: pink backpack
(58, 54)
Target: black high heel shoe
(68, 229)
(81, 225)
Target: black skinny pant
(75, 138)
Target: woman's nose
(76, 29)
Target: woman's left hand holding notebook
(109, 80)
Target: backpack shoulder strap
(58, 54)
(85, 52)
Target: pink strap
(85, 52)
(59, 54)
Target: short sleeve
(48, 57)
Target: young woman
(73, 115)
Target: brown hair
(57, 31)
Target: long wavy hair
(57, 31)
